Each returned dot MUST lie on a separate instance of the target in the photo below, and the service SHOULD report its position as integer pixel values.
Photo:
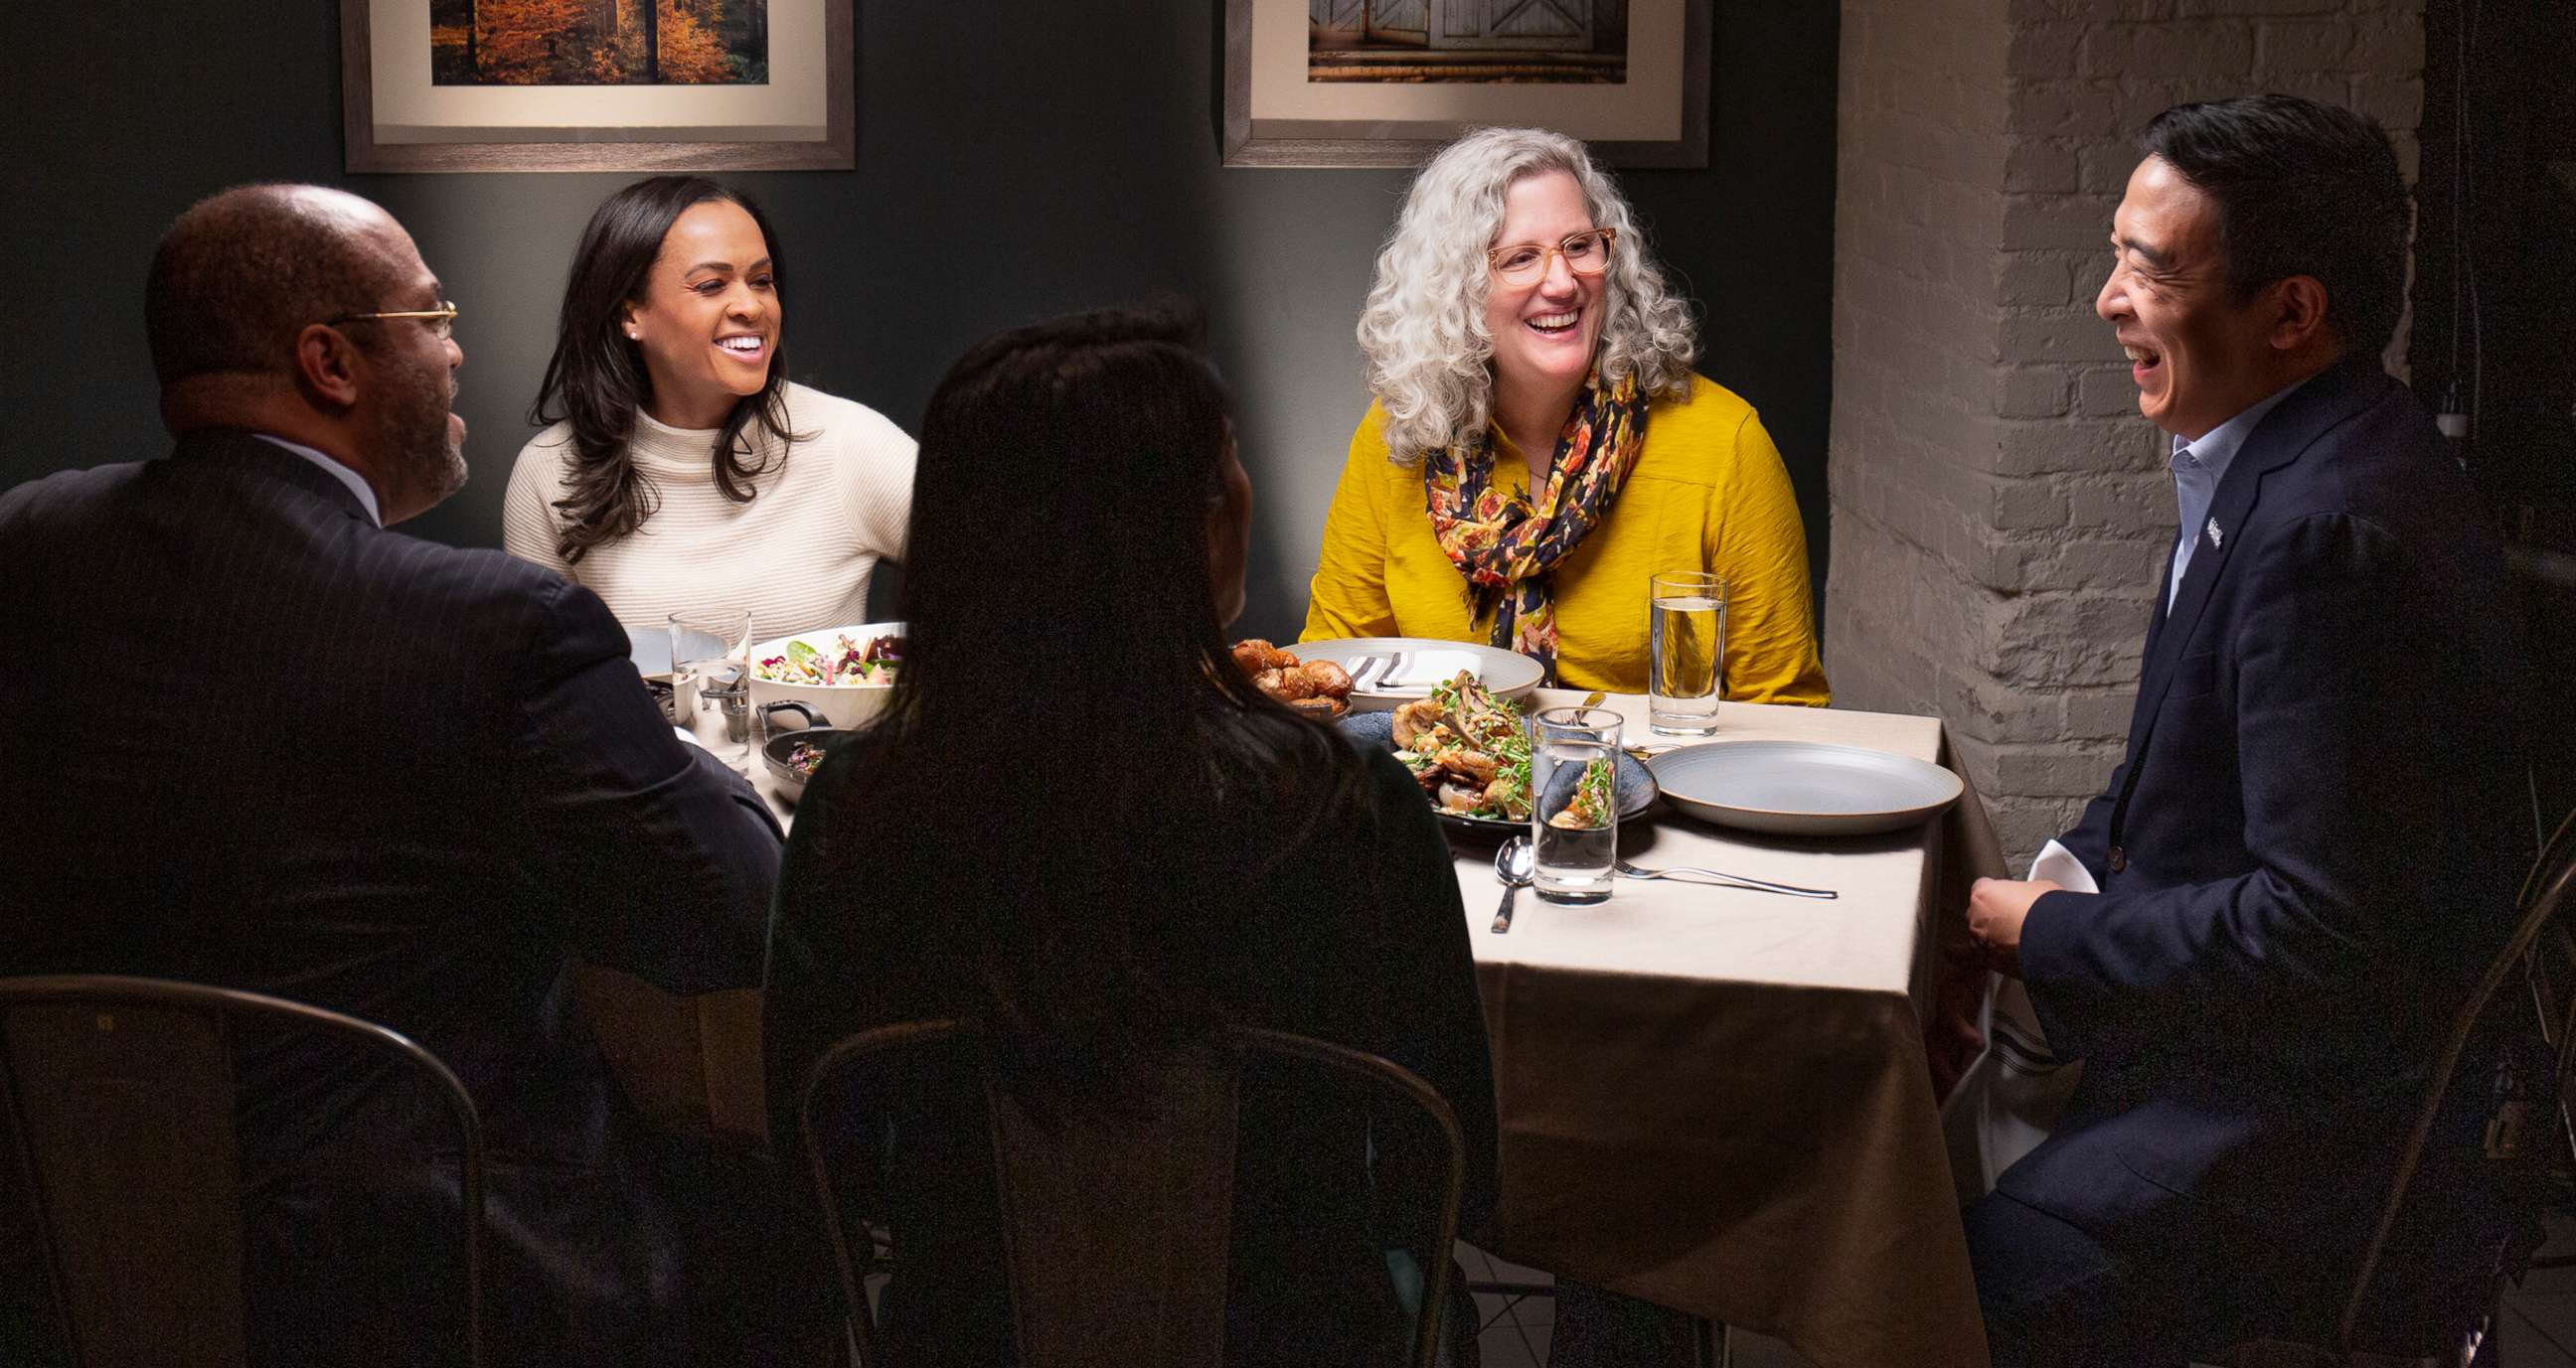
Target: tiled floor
(2538, 1329)
(2539, 1325)
(1517, 1329)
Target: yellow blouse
(1708, 492)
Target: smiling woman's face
(1543, 331)
(708, 317)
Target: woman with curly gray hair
(1537, 432)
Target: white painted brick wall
(2000, 512)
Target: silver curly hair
(1430, 355)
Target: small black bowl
(781, 745)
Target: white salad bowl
(835, 705)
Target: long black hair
(1070, 745)
(597, 379)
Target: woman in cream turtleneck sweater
(681, 470)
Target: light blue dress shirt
(356, 482)
(2197, 468)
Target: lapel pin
(2215, 537)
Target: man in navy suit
(258, 740)
(2310, 850)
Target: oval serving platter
(1387, 671)
(1635, 786)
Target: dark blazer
(2310, 850)
(1354, 934)
(256, 741)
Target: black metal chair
(2542, 952)
(1143, 1205)
(118, 1101)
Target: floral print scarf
(1507, 545)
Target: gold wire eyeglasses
(442, 320)
(1586, 254)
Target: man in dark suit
(2310, 850)
(257, 740)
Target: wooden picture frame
(1399, 120)
(404, 127)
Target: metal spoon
(1512, 865)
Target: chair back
(2542, 952)
(118, 1100)
(1118, 1226)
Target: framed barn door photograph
(1383, 82)
(1558, 25)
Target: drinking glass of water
(1686, 651)
(1574, 815)
(711, 678)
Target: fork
(1732, 880)
(1389, 666)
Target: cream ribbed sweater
(798, 555)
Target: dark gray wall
(1015, 159)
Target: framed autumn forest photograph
(599, 85)
(1384, 82)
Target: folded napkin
(1423, 670)
(2058, 865)
(2011, 1095)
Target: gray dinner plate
(1635, 786)
(1802, 788)
(651, 652)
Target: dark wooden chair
(1118, 1234)
(2542, 956)
(118, 1101)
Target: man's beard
(413, 439)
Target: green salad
(1469, 750)
(845, 663)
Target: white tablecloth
(1718, 1100)
(1713, 1099)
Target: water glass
(1686, 651)
(711, 677)
(1574, 815)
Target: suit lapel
(2156, 619)
(2287, 431)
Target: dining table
(1711, 1098)
(1718, 1099)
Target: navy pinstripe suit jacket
(255, 740)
